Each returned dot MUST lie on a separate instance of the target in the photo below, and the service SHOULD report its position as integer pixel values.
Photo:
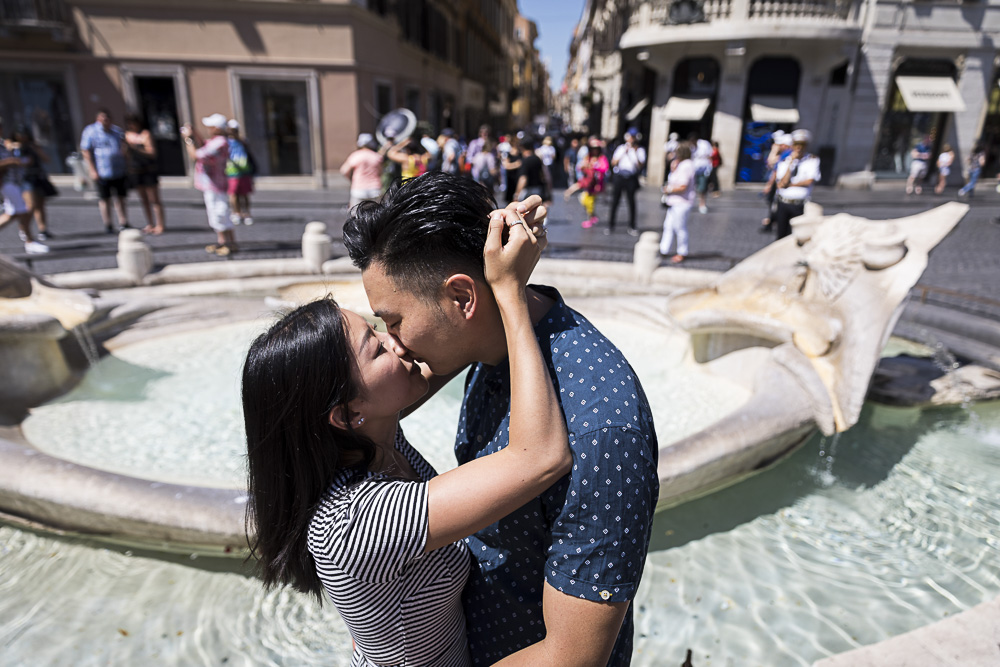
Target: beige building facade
(303, 79)
(870, 78)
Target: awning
(634, 112)
(686, 108)
(930, 93)
(773, 109)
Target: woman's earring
(361, 420)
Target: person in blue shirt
(104, 148)
(553, 581)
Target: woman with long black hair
(339, 501)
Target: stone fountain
(801, 324)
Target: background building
(869, 78)
(302, 78)
(530, 93)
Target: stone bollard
(135, 258)
(317, 247)
(646, 256)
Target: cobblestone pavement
(965, 262)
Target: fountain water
(781, 569)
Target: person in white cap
(240, 170)
(794, 179)
(627, 161)
(781, 146)
(364, 168)
(210, 159)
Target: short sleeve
(87, 140)
(382, 531)
(601, 534)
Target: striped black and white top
(367, 537)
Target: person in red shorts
(240, 170)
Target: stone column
(872, 80)
(655, 167)
(727, 127)
(974, 83)
(135, 258)
(316, 246)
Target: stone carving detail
(801, 324)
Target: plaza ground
(963, 270)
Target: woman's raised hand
(510, 253)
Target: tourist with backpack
(240, 170)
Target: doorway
(771, 105)
(157, 102)
(276, 120)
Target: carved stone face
(827, 297)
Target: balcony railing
(795, 9)
(680, 12)
(34, 13)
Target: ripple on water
(835, 567)
(59, 599)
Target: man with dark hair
(104, 147)
(578, 549)
(532, 177)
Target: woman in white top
(340, 501)
(944, 162)
(680, 191)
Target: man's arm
(578, 633)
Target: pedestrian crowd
(117, 160)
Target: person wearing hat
(104, 148)
(364, 169)
(781, 147)
(240, 170)
(794, 179)
(210, 159)
(627, 163)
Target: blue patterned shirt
(106, 147)
(588, 534)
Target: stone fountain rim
(208, 519)
(218, 526)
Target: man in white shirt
(794, 179)
(627, 162)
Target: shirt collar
(496, 378)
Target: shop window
(771, 105)
(383, 98)
(902, 129)
(37, 101)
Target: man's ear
(462, 292)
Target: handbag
(664, 200)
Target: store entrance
(158, 106)
(277, 128)
(771, 105)
(903, 127)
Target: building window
(37, 101)
(277, 125)
(413, 101)
(383, 98)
